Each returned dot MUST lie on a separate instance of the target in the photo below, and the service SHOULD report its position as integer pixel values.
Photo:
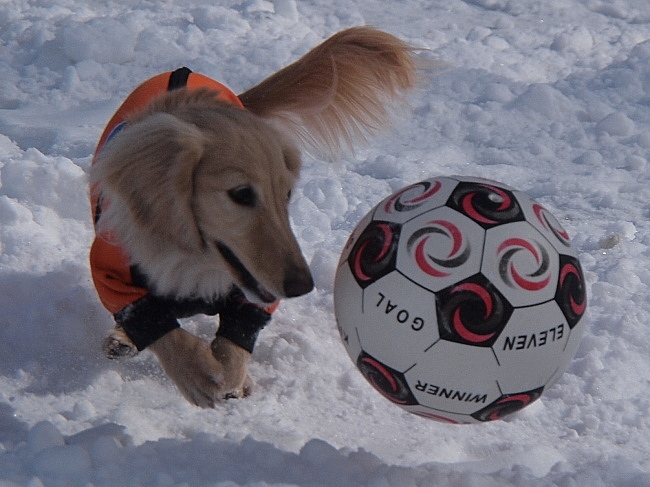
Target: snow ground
(552, 98)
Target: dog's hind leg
(118, 345)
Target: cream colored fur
(339, 92)
(171, 179)
(170, 206)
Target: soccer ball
(460, 299)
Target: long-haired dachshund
(190, 187)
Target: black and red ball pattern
(486, 204)
(389, 382)
(374, 253)
(439, 266)
(571, 293)
(507, 404)
(531, 250)
(472, 312)
(412, 197)
(550, 224)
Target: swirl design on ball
(507, 404)
(548, 222)
(390, 383)
(509, 250)
(472, 313)
(402, 201)
(571, 294)
(486, 204)
(429, 263)
(373, 255)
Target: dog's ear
(339, 92)
(150, 166)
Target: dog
(190, 186)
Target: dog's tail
(339, 92)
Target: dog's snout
(297, 283)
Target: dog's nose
(298, 283)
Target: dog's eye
(289, 196)
(243, 195)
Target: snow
(551, 97)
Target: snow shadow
(51, 328)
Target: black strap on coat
(178, 78)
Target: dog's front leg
(234, 360)
(200, 377)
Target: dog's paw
(245, 391)
(198, 374)
(118, 345)
(234, 360)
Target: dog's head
(212, 179)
